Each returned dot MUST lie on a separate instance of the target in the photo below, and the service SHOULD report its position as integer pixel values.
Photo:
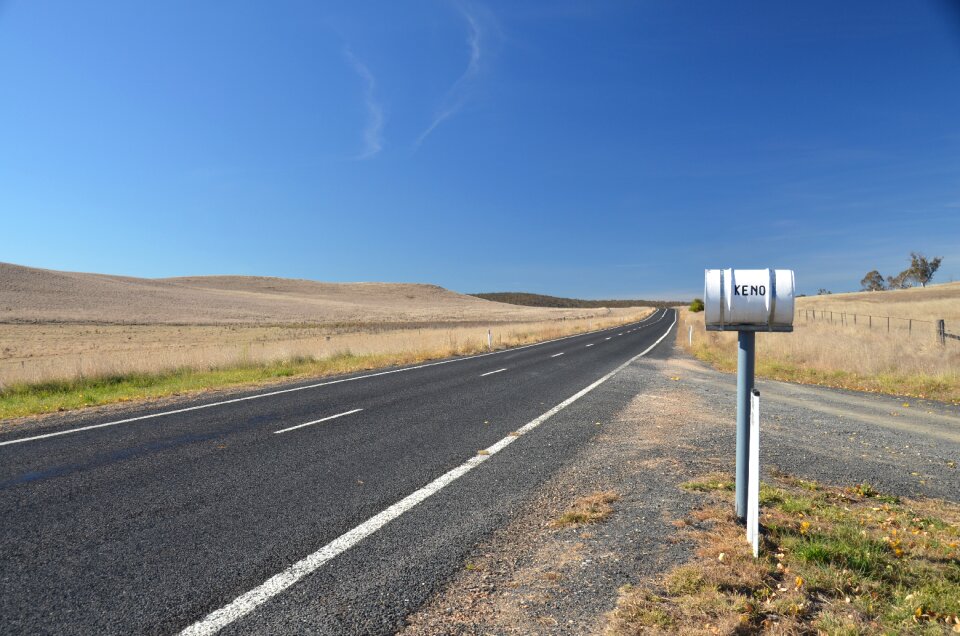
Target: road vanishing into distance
(323, 507)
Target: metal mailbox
(748, 299)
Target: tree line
(920, 272)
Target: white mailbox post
(747, 301)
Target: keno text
(749, 290)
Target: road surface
(327, 507)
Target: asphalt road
(331, 507)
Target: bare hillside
(30, 295)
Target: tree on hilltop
(922, 269)
(873, 281)
(900, 281)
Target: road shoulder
(535, 577)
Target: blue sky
(590, 149)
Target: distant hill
(32, 295)
(541, 300)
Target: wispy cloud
(373, 131)
(457, 95)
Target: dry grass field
(37, 353)
(863, 355)
(69, 340)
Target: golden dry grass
(67, 325)
(134, 371)
(854, 356)
(925, 303)
(36, 353)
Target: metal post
(691, 335)
(746, 341)
(489, 340)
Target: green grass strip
(18, 400)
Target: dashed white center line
(324, 419)
(557, 354)
(251, 600)
(620, 334)
(492, 372)
(590, 345)
(607, 338)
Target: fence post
(888, 324)
(854, 318)
(910, 326)
(942, 332)
(871, 321)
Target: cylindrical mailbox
(748, 299)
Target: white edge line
(492, 372)
(323, 419)
(246, 603)
(298, 388)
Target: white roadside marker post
(753, 487)
(691, 335)
(489, 340)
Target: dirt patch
(592, 508)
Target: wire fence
(889, 324)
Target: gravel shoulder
(530, 577)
